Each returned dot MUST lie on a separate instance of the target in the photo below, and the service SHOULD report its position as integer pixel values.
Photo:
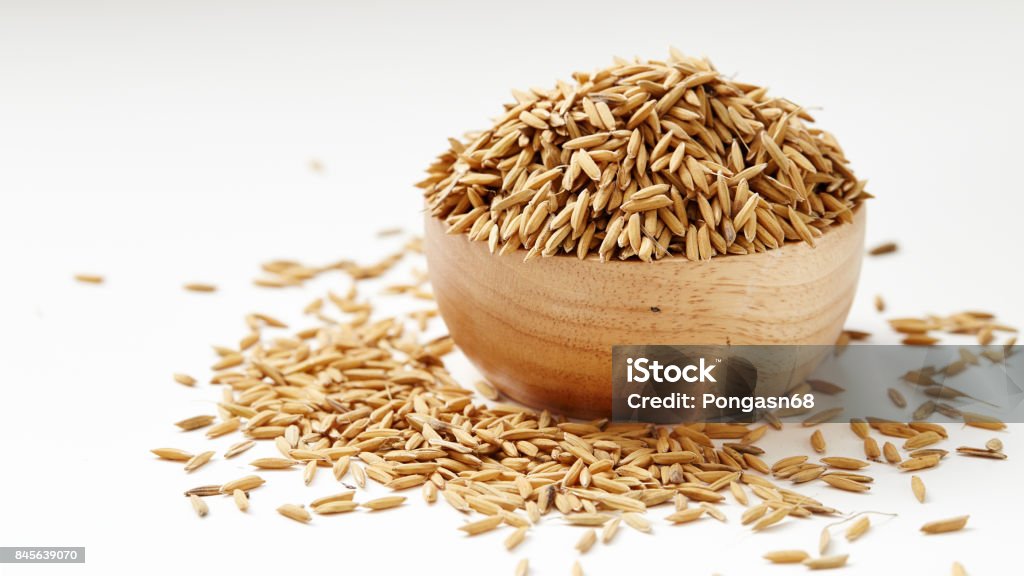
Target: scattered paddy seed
(824, 539)
(920, 462)
(200, 287)
(295, 512)
(947, 525)
(892, 455)
(340, 497)
(172, 454)
(487, 390)
(886, 248)
(273, 463)
(858, 528)
(774, 517)
(845, 483)
(636, 522)
(917, 485)
(610, 530)
(198, 505)
(245, 483)
(515, 538)
(198, 460)
(826, 562)
(208, 490)
(335, 507)
(89, 278)
(844, 463)
(309, 472)
(184, 379)
(786, 556)
(384, 503)
(818, 441)
(241, 500)
(195, 422)
(980, 453)
(480, 526)
(586, 541)
(897, 398)
(589, 519)
(688, 515)
(225, 427)
(238, 448)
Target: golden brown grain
(826, 562)
(818, 441)
(772, 518)
(238, 448)
(844, 483)
(636, 522)
(589, 519)
(917, 486)
(644, 160)
(920, 462)
(200, 287)
(586, 541)
(208, 490)
(487, 390)
(384, 503)
(610, 530)
(198, 460)
(195, 422)
(688, 515)
(786, 556)
(89, 278)
(480, 526)
(858, 528)
(294, 511)
(273, 463)
(885, 248)
(241, 500)
(892, 455)
(845, 463)
(980, 453)
(515, 538)
(198, 505)
(947, 525)
(335, 507)
(172, 454)
(245, 483)
(184, 379)
(897, 398)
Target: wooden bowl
(542, 331)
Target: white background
(161, 143)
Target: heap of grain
(645, 160)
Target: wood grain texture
(542, 331)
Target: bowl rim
(859, 219)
